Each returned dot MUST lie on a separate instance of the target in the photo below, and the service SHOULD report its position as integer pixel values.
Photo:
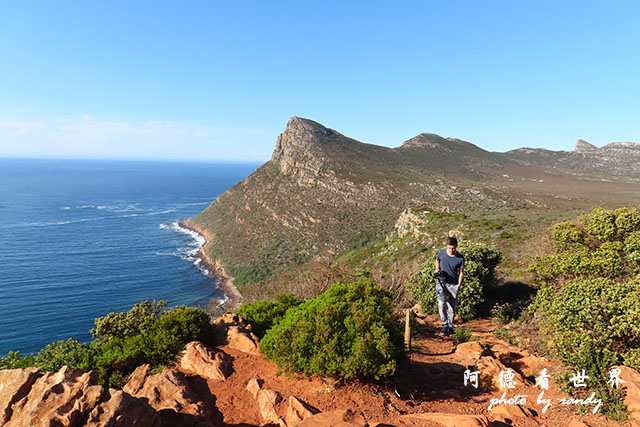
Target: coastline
(224, 281)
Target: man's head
(452, 245)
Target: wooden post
(407, 330)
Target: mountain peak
(583, 146)
(301, 126)
(424, 140)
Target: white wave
(66, 208)
(162, 212)
(168, 253)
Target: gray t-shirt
(450, 265)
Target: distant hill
(322, 192)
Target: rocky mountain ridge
(322, 190)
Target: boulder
(450, 420)
(297, 411)
(168, 392)
(468, 353)
(235, 330)
(337, 418)
(202, 360)
(253, 386)
(59, 398)
(14, 385)
(490, 366)
(69, 397)
(267, 401)
(122, 410)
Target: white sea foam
(162, 212)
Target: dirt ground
(429, 380)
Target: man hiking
(449, 273)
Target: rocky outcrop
(169, 393)
(200, 359)
(271, 409)
(69, 397)
(235, 331)
(583, 146)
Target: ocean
(82, 238)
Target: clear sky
(219, 80)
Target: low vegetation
(347, 332)
(124, 341)
(589, 296)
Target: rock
(235, 331)
(242, 340)
(490, 366)
(168, 392)
(631, 385)
(14, 385)
(297, 411)
(122, 410)
(468, 353)
(450, 420)
(200, 359)
(254, 385)
(520, 360)
(510, 413)
(267, 400)
(337, 418)
(69, 397)
(59, 398)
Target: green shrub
(566, 233)
(348, 332)
(480, 263)
(124, 342)
(264, 314)
(610, 248)
(461, 334)
(133, 322)
(602, 224)
(167, 337)
(627, 220)
(53, 357)
(589, 299)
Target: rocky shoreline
(223, 280)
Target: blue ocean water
(80, 239)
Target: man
(450, 271)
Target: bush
(589, 297)
(134, 322)
(480, 263)
(265, 314)
(461, 335)
(611, 247)
(566, 233)
(348, 332)
(123, 342)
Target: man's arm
(460, 275)
(437, 265)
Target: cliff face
(322, 190)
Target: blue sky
(219, 80)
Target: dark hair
(452, 241)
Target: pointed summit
(583, 146)
(300, 127)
